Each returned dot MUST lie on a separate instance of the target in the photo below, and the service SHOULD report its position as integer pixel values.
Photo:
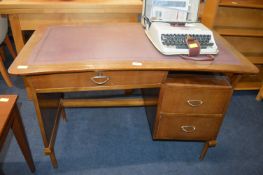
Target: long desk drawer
(188, 127)
(96, 80)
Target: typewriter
(172, 27)
(172, 39)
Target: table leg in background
(19, 133)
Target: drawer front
(188, 127)
(97, 80)
(192, 100)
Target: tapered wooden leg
(63, 114)
(53, 160)
(10, 47)
(16, 31)
(260, 94)
(28, 90)
(19, 132)
(2, 52)
(50, 152)
(5, 74)
(205, 148)
(48, 108)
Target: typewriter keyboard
(179, 40)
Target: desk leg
(48, 108)
(28, 89)
(260, 94)
(17, 32)
(63, 112)
(19, 132)
(205, 148)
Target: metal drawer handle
(100, 77)
(195, 103)
(188, 129)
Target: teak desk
(31, 14)
(62, 59)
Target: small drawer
(187, 127)
(192, 98)
(97, 80)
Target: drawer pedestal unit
(191, 107)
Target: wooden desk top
(6, 105)
(70, 6)
(112, 47)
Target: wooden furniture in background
(31, 14)
(4, 40)
(10, 119)
(260, 94)
(128, 61)
(241, 23)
